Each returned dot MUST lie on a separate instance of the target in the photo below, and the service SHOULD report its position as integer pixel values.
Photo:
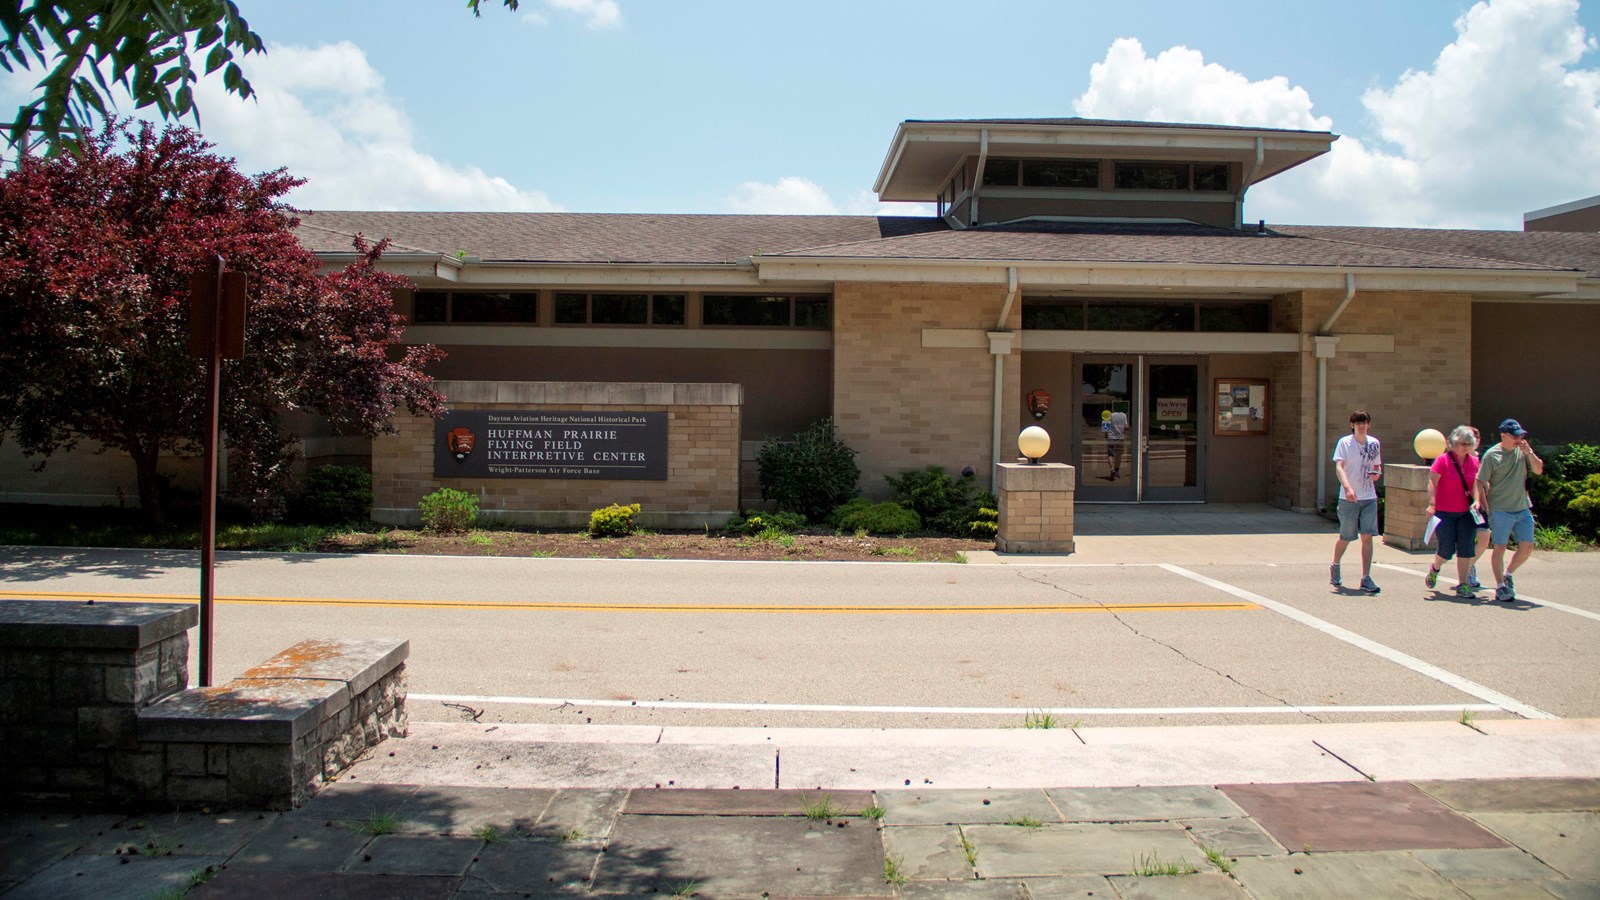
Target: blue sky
(1452, 113)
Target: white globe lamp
(1429, 443)
(1033, 442)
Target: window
(1061, 173)
(1162, 176)
(1073, 314)
(765, 311)
(474, 307)
(1001, 172)
(619, 309)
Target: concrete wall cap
(43, 623)
(356, 662)
(265, 711)
(1036, 477)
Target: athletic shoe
(1504, 592)
(1432, 581)
(1472, 578)
(1466, 590)
(1368, 586)
(1511, 585)
(1333, 575)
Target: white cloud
(1503, 122)
(324, 114)
(793, 195)
(535, 18)
(600, 13)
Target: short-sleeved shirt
(1360, 461)
(1505, 474)
(1453, 493)
(1116, 427)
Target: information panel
(530, 443)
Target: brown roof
(598, 238)
(1556, 249)
(1074, 121)
(1060, 241)
(657, 239)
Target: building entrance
(1137, 429)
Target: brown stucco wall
(1540, 364)
(904, 406)
(702, 486)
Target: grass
(1468, 716)
(821, 809)
(902, 552)
(573, 834)
(72, 526)
(1218, 858)
(969, 851)
(685, 888)
(377, 823)
(488, 834)
(894, 869)
(1556, 537)
(1026, 822)
(873, 812)
(1152, 866)
(1040, 719)
(479, 539)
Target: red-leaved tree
(96, 251)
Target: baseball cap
(1513, 427)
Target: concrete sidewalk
(467, 810)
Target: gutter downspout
(977, 182)
(1000, 345)
(1249, 179)
(1324, 345)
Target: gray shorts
(1357, 517)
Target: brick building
(1104, 264)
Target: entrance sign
(622, 446)
(1172, 409)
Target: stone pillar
(1405, 505)
(1035, 507)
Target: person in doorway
(1454, 500)
(1503, 491)
(1116, 430)
(1358, 461)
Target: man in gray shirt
(1503, 491)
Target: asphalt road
(893, 644)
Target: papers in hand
(1433, 525)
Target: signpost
(216, 332)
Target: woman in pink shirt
(1456, 506)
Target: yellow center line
(649, 607)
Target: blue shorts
(1357, 517)
(1457, 535)
(1517, 524)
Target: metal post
(208, 478)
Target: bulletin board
(1241, 406)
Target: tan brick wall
(1036, 508)
(1425, 383)
(904, 406)
(702, 485)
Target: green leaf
(216, 58)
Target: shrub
(613, 521)
(448, 510)
(985, 524)
(333, 495)
(809, 475)
(942, 502)
(1574, 462)
(887, 517)
(763, 523)
(1567, 480)
(1583, 510)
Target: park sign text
(532, 443)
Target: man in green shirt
(1503, 491)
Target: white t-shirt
(1359, 463)
(1116, 427)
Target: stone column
(1035, 507)
(1405, 505)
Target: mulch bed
(657, 545)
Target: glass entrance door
(1138, 433)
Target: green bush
(943, 503)
(809, 475)
(1583, 510)
(1565, 494)
(763, 523)
(613, 521)
(1574, 462)
(887, 517)
(333, 495)
(448, 510)
(985, 524)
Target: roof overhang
(923, 154)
